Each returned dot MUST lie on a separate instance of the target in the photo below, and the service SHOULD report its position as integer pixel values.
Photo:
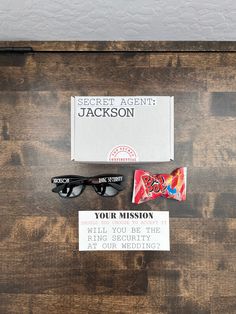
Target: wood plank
(41, 303)
(204, 232)
(84, 60)
(14, 303)
(215, 148)
(159, 60)
(26, 103)
(12, 59)
(191, 283)
(46, 76)
(223, 104)
(193, 60)
(39, 228)
(123, 45)
(37, 257)
(225, 205)
(183, 305)
(223, 80)
(223, 304)
(72, 281)
(212, 179)
(212, 257)
(59, 269)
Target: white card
(124, 231)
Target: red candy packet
(148, 186)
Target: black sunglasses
(72, 186)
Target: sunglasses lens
(105, 190)
(71, 191)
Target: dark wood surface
(141, 46)
(41, 268)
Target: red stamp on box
(122, 153)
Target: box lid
(122, 129)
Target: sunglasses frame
(75, 180)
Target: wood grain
(109, 46)
(42, 270)
(53, 76)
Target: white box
(129, 129)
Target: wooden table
(42, 270)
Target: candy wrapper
(148, 186)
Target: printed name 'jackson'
(106, 112)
